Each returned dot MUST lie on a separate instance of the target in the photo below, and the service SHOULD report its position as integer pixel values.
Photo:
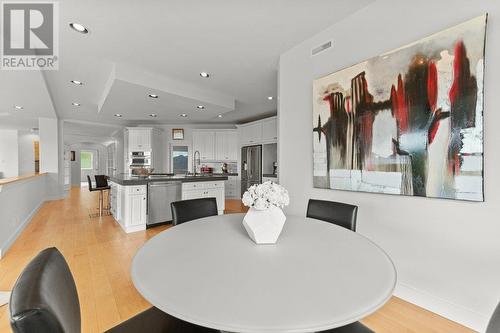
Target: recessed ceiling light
(204, 74)
(78, 83)
(75, 104)
(18, 107)
(270, 98)
(201, 107)
(78, 27)
(154, 115)
(183, 115)
(153, 96)
(118, 115)
(219, 116)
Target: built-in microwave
(140, 159)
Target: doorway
(89, 165)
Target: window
(86, 160)
(179, 159)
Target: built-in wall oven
(140, 159)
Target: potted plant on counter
(265, 219)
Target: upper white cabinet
(251, 133)
(146, 139)
(216, 145)
(139, 139)
(204, 142)
(226, 146)
(270, 129)
(260, 131)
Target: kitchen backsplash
(232, 167)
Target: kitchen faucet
(196, 161)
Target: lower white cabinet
(233, 187)
(197, 190)
(129, 206)
(129, 203)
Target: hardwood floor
(99, 254)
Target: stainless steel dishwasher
(160, 195)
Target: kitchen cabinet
(144, 139)
(226, 146)
(136, 209)
(139, 139)
(129, 206)
(251, 134)
(270, 129)
(232, 187)
(260, 131)
(197, 190)
(204, 142)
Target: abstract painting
(408, 122)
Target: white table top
(318, 276)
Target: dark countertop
(128, 180)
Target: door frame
(95, 165)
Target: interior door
(89, 164)
(111, 150)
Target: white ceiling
(80, 131)
(26, 89)
(238, 42)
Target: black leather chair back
(101, 181)
(187, 210)
(90, 183)
(44, 298)
(494, 324)
(338, 213)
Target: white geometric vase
(264, 226)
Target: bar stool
(99, 188)
(101, 181)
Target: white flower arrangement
(265, 195)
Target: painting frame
(341, 165)
(177, 134)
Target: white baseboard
(455, 312)
(135, 228)
(19, 229)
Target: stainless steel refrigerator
(251, 166)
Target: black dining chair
(45, 300)
(188, 210)
(338, 213)
(355, 327)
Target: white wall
(26, 150)
(75, 165)
(49, 145)
(19, 201)
(447, 252)
(8, 154)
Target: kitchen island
(140, 202)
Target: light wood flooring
(99, 254)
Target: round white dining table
(316, 277)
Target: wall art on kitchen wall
(407, 122)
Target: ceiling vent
(321, 48)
